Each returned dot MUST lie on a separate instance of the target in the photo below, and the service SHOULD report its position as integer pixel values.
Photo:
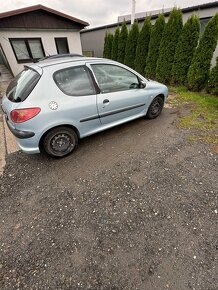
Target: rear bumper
(26, 140)
(26, 149)
(19, 133)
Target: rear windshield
(22, 85)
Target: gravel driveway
(133, 208)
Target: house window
(27, 49)
(62, 45)
(204, 22)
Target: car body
(78, 95)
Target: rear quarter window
(74, 81)
(22, 85)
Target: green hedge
(142, 46)
(185, 49)
(168, 45)
(122, 43)
(105, 45)
(154, 46)
(213, 80)
(131, 45)
(108, 42)
(115, 44)
(200, 67)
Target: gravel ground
(133, 208)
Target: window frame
(91, 78)
(57, 38)
(26, 39)
(112, 64)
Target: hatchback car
(51, 104)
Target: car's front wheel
(155, 108)
(60, 142)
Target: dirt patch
(215, 149)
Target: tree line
(170, 52)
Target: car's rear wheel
(155, 108)
(60, 142)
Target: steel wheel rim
(155, 107)
(61, 143)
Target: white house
(31, 33)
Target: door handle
(106, 101)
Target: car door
(121, 96)
(78, 98)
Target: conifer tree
(131, 45)
(115, 44)
(199, 70)
(185, 49)
(142, 46)
(154, 47)
(213, 80)
(122, 42)
(168, 45)
(110, 44)
(105, 45)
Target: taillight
(23, 115)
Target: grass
(202, 117)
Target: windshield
(22, 85)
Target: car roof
(56, 61)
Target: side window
(112, 78)
(74, 81)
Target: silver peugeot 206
(51, 104)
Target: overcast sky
(99, 12)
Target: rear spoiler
(34, 67)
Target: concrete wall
(93, 39)
(48, 43)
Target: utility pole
(133, 12)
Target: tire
(60, 142)
(155, 108)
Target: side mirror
(142, 84)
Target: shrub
(199, 70)
(168, 45)
(185, 49)
(213, 79)
(122, 42)
(131, 45)
(142, 46)
(154, 46)
(115, 44)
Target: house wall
(93, 39)
(48, 43)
